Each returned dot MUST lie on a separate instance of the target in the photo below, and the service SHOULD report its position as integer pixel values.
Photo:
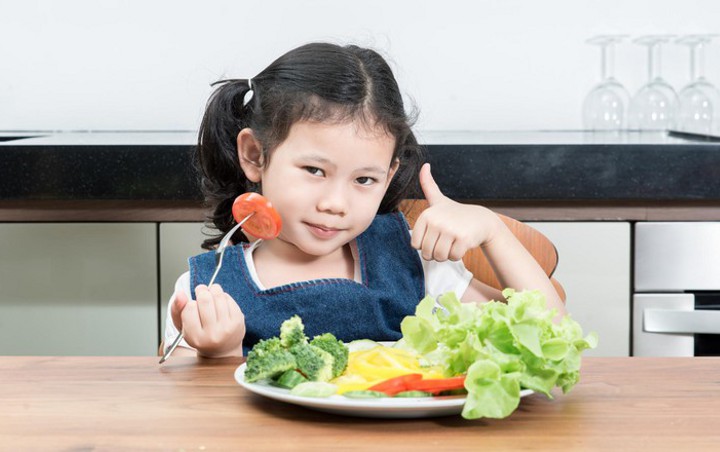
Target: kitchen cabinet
(78, 289)
(178, 242)
(594, 268)
(103, 288)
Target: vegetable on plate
(499, 347)
(488, 351)
(278, 359)
(372, 365)
(415, 383)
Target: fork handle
(172, 347)
(218, 264)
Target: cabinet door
(78, 289)
(594, 270)
(178, 242)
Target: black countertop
(515, 166)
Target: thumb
(181, 300)
(429, 187)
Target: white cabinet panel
(594, 270)
(78, 289)
(178, 242)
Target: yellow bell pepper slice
(369, 367)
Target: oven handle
(686, 322)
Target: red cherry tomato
(265, 222)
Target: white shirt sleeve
(448, 276)
(442, 277)
(182, 283)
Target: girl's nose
(334, 201)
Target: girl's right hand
(213, 324)
(447, 229)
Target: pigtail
(216, 157)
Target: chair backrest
(539, 246)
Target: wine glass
(699, 99)
(605, 106)
(654, 106)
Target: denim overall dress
(393, 283)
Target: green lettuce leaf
(491, 392)
(500, 347)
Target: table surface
(132, 403)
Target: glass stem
(607, 69)
(697, 61)
(653, 61)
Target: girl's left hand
(447, 229)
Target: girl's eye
(314, 170)
(365, 180)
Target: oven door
(682, 324)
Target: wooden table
(131, 403)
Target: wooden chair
(539, 246)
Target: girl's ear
(250, 154)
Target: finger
(457, 251)
(442, 248)
(237, 318)
(216, 289)
(233, 309)
(206, 306)
(218, 302)
(418, 233)
(428, 244)
(177, 307)
(236, 313)
(429, 187)
(191, 322)
(222, 307)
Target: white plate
(390, 407)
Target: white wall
(490, 65)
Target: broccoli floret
(265, 346)
(292, 332)
(315, 363)
(322, 360)
(268, 359)
(336, 348)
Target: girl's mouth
(323, 232)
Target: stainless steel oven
(676, 304)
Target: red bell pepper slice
(437, 385)
(396, 384)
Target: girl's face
(327, 182)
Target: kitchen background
(80, 65)
(490, 65)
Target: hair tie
(249, 94)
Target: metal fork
(440, 307)
(219, 253)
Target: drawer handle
(685, 322)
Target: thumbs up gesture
(448, 229)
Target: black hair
(315, 82)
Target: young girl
(323, 134)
